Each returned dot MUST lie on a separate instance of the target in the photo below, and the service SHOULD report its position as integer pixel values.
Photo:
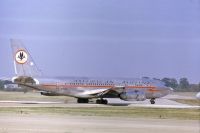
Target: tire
(105, 102)
(101, 101)
(152, 101)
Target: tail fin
(23, 62)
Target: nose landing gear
(152, 101)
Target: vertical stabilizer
(24, 64)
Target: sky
(104, 38)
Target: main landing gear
(98, 101)
(82, 100)
(101, 101)
(152, 101)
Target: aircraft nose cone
(170, 90)
(198, 95)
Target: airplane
(83, 88)
(198, 96)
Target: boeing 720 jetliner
(83, 88)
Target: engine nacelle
(133, 96)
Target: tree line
(4, 82)
(182, 85)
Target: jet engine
(132, 96)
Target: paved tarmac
(160, 103)
(92, 124)
(59, 123)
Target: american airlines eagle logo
(21, 57)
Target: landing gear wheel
(152, 101)
(101, 101)
(82, 100)
(105, 102)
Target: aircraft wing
(96, 92)
(118, 89)
(106, 91)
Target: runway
(160, 103)
(88, 124)
(32, 113)
(19, 99)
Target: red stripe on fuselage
(95, 86)
(153, 90)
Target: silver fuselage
(84, 87)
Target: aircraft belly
(150, 95)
